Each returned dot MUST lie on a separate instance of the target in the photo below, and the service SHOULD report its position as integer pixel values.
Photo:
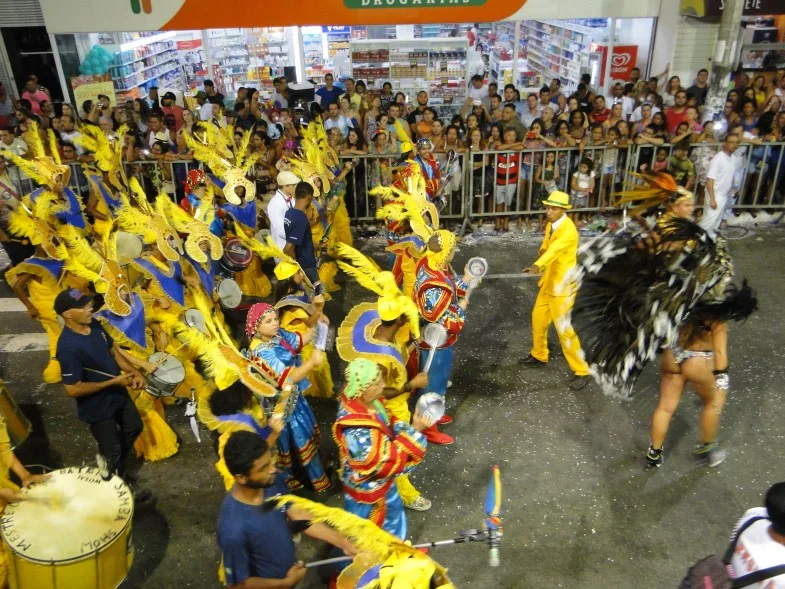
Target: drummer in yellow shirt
(558, 256)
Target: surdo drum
(73, 531)
(163, 382)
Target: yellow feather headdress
(197, 231)
(391, 303)
(150, 223)
(212, 146)
(108, 152)
(45, 170)
(24, 222)
(657, 188)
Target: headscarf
(255, 315)
(360, 374)
(193, 179)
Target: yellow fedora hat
(558, 199)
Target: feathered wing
(634, 290)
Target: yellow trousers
(554, 309)
(398, 407)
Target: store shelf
(145, 69)
(149, 79)
(143, 58)
(557, 49)
(147, 40)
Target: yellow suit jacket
(558, 256)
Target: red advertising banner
(623, 60)
(188, 45)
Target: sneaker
(449, 384)
(434, 436)
(533, 362)
(578, 381)
(653, 458)
(103, 467)
(419, 504)
(445, 420)
(710, 455)
(143, 497)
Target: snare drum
(236, 256)
(18, 426)
(229, 293)
(75, 531)
(194, 318)
(167, 377)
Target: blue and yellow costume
(300, 438)
(375, 448)
(296, 309)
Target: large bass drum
(19, 427)
(73, 532)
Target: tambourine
(477, 268)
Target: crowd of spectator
(591, 133)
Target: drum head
(236, 256)
(70, 517)
(195, 319)
(434, 335)
(129, 246)
(229, 293)
(477, 267)
(170, 370)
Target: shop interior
(440, 58)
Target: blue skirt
(441, 368)
(299, 444)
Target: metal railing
(490, 184)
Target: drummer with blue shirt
(256, 544)
(95, 373)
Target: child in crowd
(581, 187)
(681, 167)
(508, 167)
(546, 178)
(609, 166)
(661, 161)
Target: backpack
(712, 572)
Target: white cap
(287, 178)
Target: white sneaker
(449, 384)
(103, 467)
(419, 504)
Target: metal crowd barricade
(371, 170)
(473, 192)
(759, 179)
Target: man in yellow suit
(558, 256)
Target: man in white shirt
(13, 144)
(762, 544)
(337, 120)
(279, 204)
(532, 110)
(69, 134)
(477, 89)
(720, 185)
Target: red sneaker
(434, 436)
(444, 420)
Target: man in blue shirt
(330, 93)
(256, 544)
(91, 365)
(299, 241)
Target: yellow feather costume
(400, 565)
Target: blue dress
(300, 437)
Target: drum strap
(289, 348)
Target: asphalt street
(579, 510)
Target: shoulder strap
(732, 547)
(757, 576)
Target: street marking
(518, 275)
(24, 342)
(12, 305)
